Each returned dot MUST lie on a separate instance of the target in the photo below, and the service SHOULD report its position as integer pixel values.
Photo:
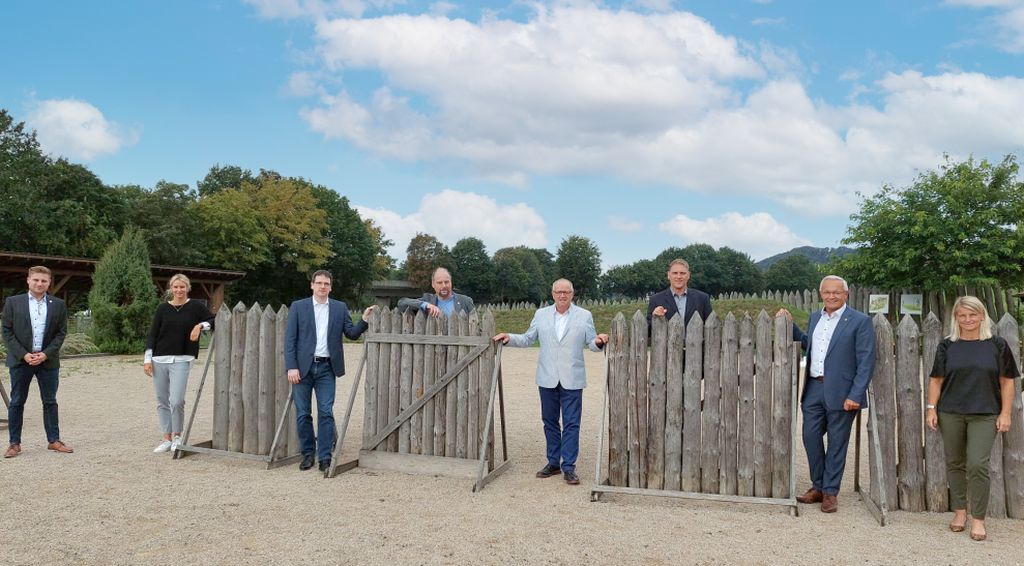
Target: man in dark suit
(442, 301)
(678, 297)
(314, 358)
(34, 326)
(840, 361)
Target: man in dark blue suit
(840, 361)
(314, 357)
(678, 297)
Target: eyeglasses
(561, 292)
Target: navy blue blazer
(849, 361)
(300, 336)
(696, 301)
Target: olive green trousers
(968, 442)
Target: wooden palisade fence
(912, 457)
(432, 386)
(718, 423)
(253, 416)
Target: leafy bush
(123, 297)
(76, 343)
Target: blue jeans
(320, 379)
(21, 377)
(563, 442)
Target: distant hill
(816, 255)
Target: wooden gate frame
(879, 509)
(601, 485)
(480, 345)
(206, 447)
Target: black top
(171, 327)
(972, 369)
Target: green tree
(123, 297)
(226, 177)
(959, 225)
(383, 263)
(354, 249)
(520, 276)
(579, 261)
(473, 270)
(231, 230)
(739, 273)
(167, 216)
(792, 273)
(424, 254)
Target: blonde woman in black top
(970, 395)
(172, 345)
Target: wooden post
(745, 443)
(473, 401)
(763, 406)
(674, 379)
(694, 360)
(997, 483)
(395, 379)
(429, 365)
(383, 377)
(372, 377)
(267, 423)
(910, 469)
(462, 396)
(656, 404)
(486, 377)
(781, 408)
(281, 385)
(251, 380)
(451, 409)
(730, 401)
(936, 488)
(221, 378)
(405, 384)
(440, 365)
(416, 423)
(618, 360)
(884, 385)
(236, 410)
(1013, 440)
(711, 412)
(638, 399)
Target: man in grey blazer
(442, 300)
(563, 330)
(33, 328)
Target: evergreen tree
(123, 297)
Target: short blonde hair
(180, 277)
(972, 304)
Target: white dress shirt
(561, 324)
(37, 311)
(321, 315)
(822, 337)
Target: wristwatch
(929, 406)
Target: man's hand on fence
(786, 312)
(293, 376)
(658, 311)
(433, 310)
(503, 338)
(601, 340)
(366, 313)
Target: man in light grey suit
(563, 330)
(442, 300)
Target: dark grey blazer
(462, 302)
(17, 330)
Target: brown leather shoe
(829, 503)
(812, 496)
(12, 451)
(58, 446)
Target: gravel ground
(115, 502)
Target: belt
(319, 360)
(818, 378)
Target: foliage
(638, 279)
(425, 253)
(354, 248)
(383, 263)
(472, 270)
(78, 343)
(166, 215)
(520, 276)
(959, 225)
(792, 273)
(579, 261)
(123, 297)
(738, 273)
(817, 256)
(226, 177)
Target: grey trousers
(169, 381)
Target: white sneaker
(164, 446)
(175, 443)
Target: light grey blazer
(561, 361)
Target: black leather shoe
(307, 462)
(548, 471)
(325, 465)
(571, 478)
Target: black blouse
(168, 336)
(972, 370)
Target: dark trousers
(321, 380)
(826, 465)
(563, 442)
(21, 377)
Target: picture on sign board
(878, 304)
(911, 304)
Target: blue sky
(641, 125)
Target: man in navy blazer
(840, 362)
(667, 303)
(34, 327)
(563, 330)
(314, 358)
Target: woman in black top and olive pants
(970, 396)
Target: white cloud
(768, 21)
(758, 234)
(453, 215)
(315, 9)
(583, 89)
(302, 84)
(442, 7)
(1008, 22)
(624, 225)
(76, 129)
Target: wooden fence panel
(383, 377)
(267, 390)
(763, 406)
(782, 416)
(730, 400)
(451, 415)
(473, 399)
(429, 377)
(618, 447)
(1013, 440)
(656, 403)
(746, 430)
(221, 377)
(910, 468)
(236, 406)
(416, 422)
(936, 488)
(711, 411)
(883, 385)
(440, 400)
(370, 383)
(674, 379)
(250, 381)
(281, 385)
(638, 404)
(462, 395)
(690, 477)
(405, 384)
(395, 380)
